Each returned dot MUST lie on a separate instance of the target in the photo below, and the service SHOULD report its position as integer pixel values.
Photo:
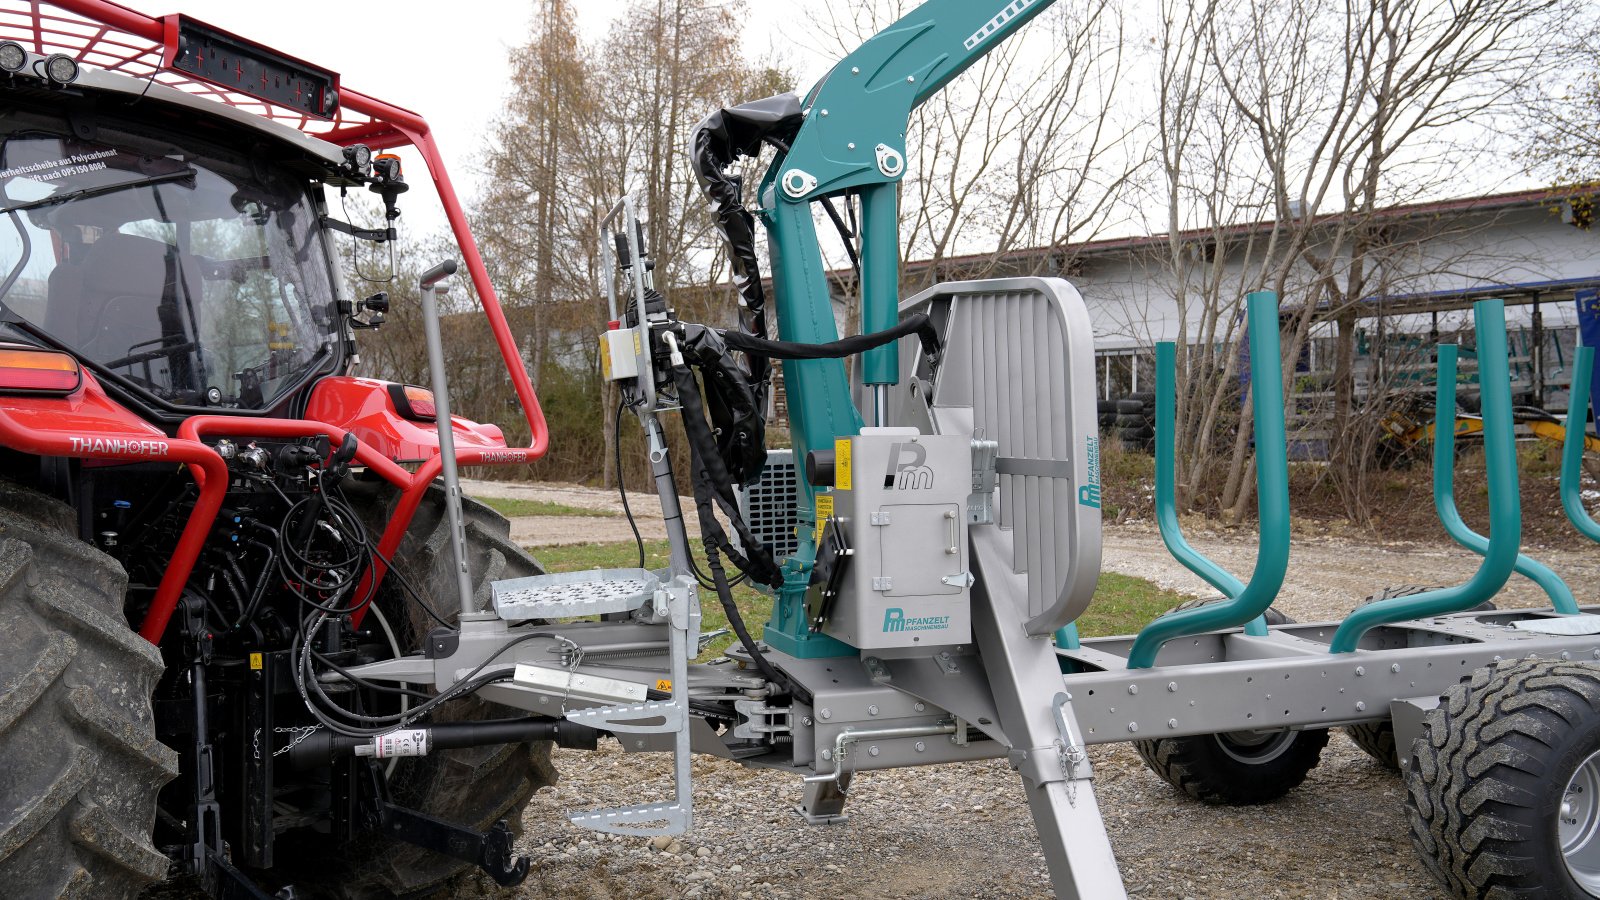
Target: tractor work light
(413, 402)
(359, 158)
(12, 56)
(60, 69)
(24, 370)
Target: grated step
(572, 595)
(624, 820)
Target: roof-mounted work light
(60, 69)
(12, 56)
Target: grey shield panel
(1018, 369)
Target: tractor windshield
(199, 278)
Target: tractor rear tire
(82, 763)
(1241, 768)
(1503, 785)
(474, 787)
(1377, 737)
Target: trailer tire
(1237, 768)
(83, 766)
(1503, 785)
(1376, 738)
(475, 787)
(1242, 768)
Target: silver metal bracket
(890, 162)
(980, 503)
(797, 183)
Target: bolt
(872, 710)
(1133, 689)
(1172, 687)
(1360, 671)
(827, 713)
(919, 706)
(1595, 653)
(639, 744)
(1497, 657)
(873, 750)
(911, 79)
(824, 114)
(855, 70)
(920, 746)
(1133, 727)
(1395, 668)
(806, 721)
(944, 654)
(1565, 656)
(850, 146)
(1361, 706)
(827, 754)
(1172, 723)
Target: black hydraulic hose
(712, 483)
(622, 482)
(736, 620)
(917, 323)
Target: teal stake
(1272, 498)
(1572, 447)
(1166, 486)
(1444, 501)
(1505, 506)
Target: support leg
(1046, 745)
(823, 802)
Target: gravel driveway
(963, 830)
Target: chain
(1070, 756)
(300, 732)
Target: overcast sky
(447, 61)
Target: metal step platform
(572, 595)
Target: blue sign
(1588, 301)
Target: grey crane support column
(447, 443)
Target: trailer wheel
(1503, 785)
(1240, 768)
(82, 764)
(475, 786)
(1377, 737)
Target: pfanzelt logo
(908, 468)
(895, 619)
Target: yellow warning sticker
(824, 508)
(255, 661)
(663, 684)
(841, 463)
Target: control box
(900, 501)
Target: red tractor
(198, 497)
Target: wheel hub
(1255, 747)
(1578, 825)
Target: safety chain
(1070, 756)
(300, 732)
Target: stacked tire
(1135, 422)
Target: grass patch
(1122, 604)
(511, 508)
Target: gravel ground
(963, 830)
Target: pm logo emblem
(908, 469)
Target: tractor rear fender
(367, 408)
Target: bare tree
(1310, 119)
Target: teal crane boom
(852, 140)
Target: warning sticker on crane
(841, 463)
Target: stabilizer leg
(1047, 748)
